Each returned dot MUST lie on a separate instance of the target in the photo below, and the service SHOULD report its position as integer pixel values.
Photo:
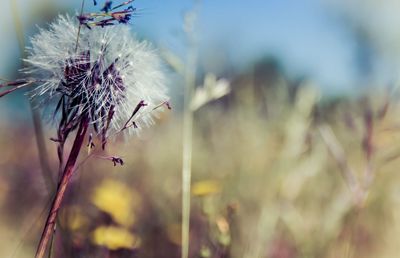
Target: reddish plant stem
(62, 187)
(6, 92)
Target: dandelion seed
(112, 79)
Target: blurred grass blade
(339, 155)
(37, 123)
(190, 81)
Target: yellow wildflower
(206, 187)
(116, 199)
(115, 238)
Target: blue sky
(302, 34)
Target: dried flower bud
(107, 6)
(108, 16)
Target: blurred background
(298, 159)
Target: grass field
(277, 172)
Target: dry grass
(264, 184)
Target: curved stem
(62, 187)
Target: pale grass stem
(359, 190)
(187, 148)
(187, 165)
(37, 123)
(79, 28)
(337, 152)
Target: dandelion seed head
(104, 77)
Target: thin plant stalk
(60, 148)
(190, 80)
(37, 123)
(186, 177)
(79, 28)
(62, 187)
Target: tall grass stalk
(190, 81)
(37, 123)
(187, 152)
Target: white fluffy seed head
(109, 71)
